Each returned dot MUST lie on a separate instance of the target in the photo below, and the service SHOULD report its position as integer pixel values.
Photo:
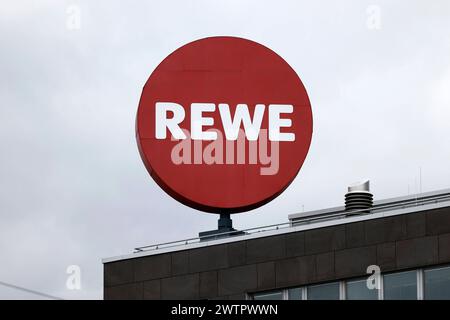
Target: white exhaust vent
(359, 198)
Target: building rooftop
(306, 221)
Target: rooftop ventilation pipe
(358, 198)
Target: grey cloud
(73, 188)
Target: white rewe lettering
(231, 125)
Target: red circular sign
(224, 124)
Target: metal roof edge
(294, 216)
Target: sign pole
(224, 229)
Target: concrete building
(317, 255)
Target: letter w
(251, 127)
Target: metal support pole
(225, 222)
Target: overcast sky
(73, 189)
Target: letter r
(161, 121)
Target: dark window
(400, 286)
(358, 290)
(437, 283)
(273, 295)
(327, 291)
(295, 294)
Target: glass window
(295, 294)
(358, 290)
(273, 295)
(327, 291)
(437, 283)
(400, 286)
